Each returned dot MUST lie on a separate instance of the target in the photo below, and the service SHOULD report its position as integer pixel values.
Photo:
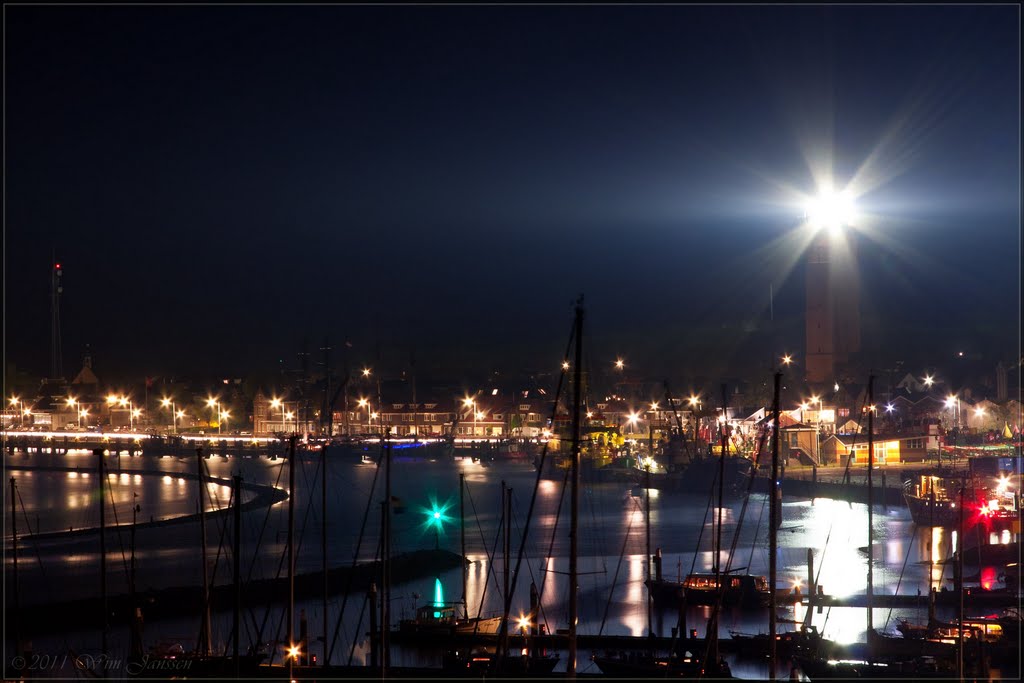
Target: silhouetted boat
(645, 665)
(740, 590)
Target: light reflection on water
(611, 520)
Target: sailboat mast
(236, 570)
(871, 503)
(204, 633)
(136, 635)
(323, 526)
(462, 539)
(506, 547)
(14, 553)
(647, 531)
(960, 587)
(291, 551)
(103, 552)
(570, 669)
(721, 486)
(773, 533)
(385, 608)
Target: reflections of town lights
(635, 595)
(936, 556)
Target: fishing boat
(746, 591)
(933, 500)
(919, 667)
(805, 640)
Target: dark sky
(221, 182)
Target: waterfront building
(527, 414)
(798, 442)
(889, 448)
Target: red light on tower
(57, 266)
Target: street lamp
(694, 401)
(15, 401)
(288, 416)
(469, 402)
(212, 403)
(953, 403)
(619, 364)
(84, 412)
(124, 402)
(133, 413)
(632, 420)
(365, 403)
(278, 403)
(168, 403)
(222, 418)
(476, 416)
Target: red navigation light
(57, 266)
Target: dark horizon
(220, 183)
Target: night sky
(220, 183)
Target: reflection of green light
(438, 596)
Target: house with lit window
(798, 442)
(889, 448)
(527, 414)
(422, 418)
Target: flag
(1007, 434)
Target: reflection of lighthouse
(833, 307)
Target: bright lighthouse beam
(831, 210)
